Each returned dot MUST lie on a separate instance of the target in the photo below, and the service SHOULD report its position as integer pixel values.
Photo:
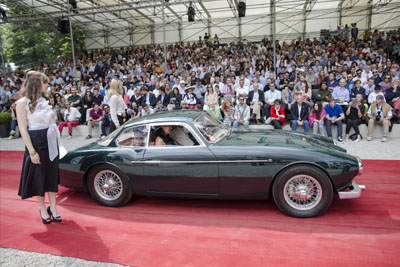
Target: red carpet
(180, 232)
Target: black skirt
(36, 179)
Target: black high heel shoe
(46, 220)
(55, 219)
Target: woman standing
(40, 135)
(117, 104)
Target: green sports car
(188, 153)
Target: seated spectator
(300, 113)
(369, 88)
(242, 115)
(160, 107)
(270, 96)
(133, 112)
(357, 90)
(277, 114)
(341, 94)
(372, 96)
(334, 115)
(189, 98)
(175, 100)
(71, 119)
(386, 83)
(210, 97)
(379, 113)
(87, 103)
(146, 110)
(228, 111)
(393, 93)
(59, 105)
(323, 94)
(214, 111)
(256, 102)
(228, 91)
(14, 121)
(75, 100)
(317, 118)
(163, 97)
(354, 115)
(288, 96)
(95, 117)
(242, 90)
(332, 83)
(106, 121)
(148, 98)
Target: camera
(378, 116)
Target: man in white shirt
(146, 110)
(369, 87)
(372, 96)
(242, 90)
(71, 119)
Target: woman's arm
(113, 111)
(159, 141)
(23, 129)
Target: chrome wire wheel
(108, 185)
(302, 192)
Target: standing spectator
(97, 98)
(242, 115)
(71, 119)
(300, 114)
(354, 115)
(317, 117)
(87, 104)
(379, 113)
(106, 122)
(256, 102)
(117, 104)
(277, 114)
(334, 115)
(228, 111)
(14, 121)
(95, 117)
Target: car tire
(302, 191)
(109, 186)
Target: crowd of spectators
(350, 78)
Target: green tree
(37, 41)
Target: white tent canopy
(119, 23)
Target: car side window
(171, 135)
(133, 137)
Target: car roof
(174, 115)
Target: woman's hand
(35, 158)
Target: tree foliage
(37, 41)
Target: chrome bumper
(354, 193)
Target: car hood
(279, 138)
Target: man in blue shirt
(334, 115)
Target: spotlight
(191, 13)
(242, 9)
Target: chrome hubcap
(302, 192)
(108, 185)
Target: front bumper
(354, 192)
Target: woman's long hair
(115, 88)
(32, 87)
(317, 113)
(223, 106)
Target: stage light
(191, 13)
(242, 9)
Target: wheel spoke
(108, 185)
(302, 192)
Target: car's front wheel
(302, 191)
(109, 186)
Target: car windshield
(212, 129)
(107, 140)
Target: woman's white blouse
(117, 106)
(42, 118)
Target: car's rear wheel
(302, 191)
(109, 186)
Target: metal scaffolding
(117, 23)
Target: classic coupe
(188, 153)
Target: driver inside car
(181, 138)
(163, 136)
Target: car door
(181, 170)
(129, 158)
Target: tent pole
(165, 42)
(72, 38)
(274, 35)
